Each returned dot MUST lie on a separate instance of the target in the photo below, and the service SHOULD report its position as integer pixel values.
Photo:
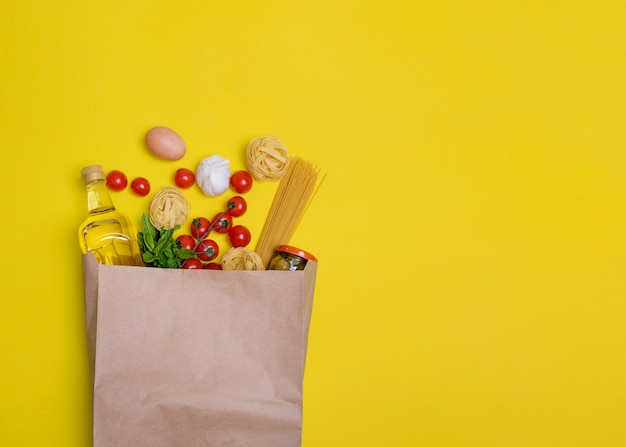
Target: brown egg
(165, 143)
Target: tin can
(287, 257)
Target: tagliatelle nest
(169, 207)
(241, 258)
(267, 158)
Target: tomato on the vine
(186, 241)
(239, 236)
(192, 263)
(237, 206)
(207, 250)
(200, 227)
(222, 223)
(140, 186)
(241, 181)
(116, 180)
(213, 266)
(184, 178)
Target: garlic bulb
(213, 175)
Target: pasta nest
(241, 258)
(169, 207)
(267, 158)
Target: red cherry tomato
(207, 250)
(192, 263)
(186, 241)
(222, 223)
(184, 178)
(241, 181)
(140, 186)
(239, 236)
(116, 180)
(237, 206)
(200, 227)
(213, 266)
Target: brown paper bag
(186, 358)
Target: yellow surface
(471, 228)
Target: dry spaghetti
(293, 195)
(168, 208)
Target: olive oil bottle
(106, 232)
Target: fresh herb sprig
(159, 248)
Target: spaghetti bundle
(240, 258)
(267, 158)
(168, 208)
(293, 195)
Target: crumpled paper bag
(191, 358)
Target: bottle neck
(98, 197)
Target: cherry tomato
(116, 180)
(140, 186)
(239, 236)
(207, 250)
(192, 263)
(237, 206)
(186, 241)
(200, 227)
(213, 266)
(222, 223)
(241, 181)
(184, 178)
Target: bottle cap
(296, 251)
(92, 172)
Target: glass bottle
(106, 232)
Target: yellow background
(471, 227)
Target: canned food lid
(296, 251)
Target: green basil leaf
(172, 263)
(147, 226)
(149, 231)
(185, 253)
(158, 249)
(166, 234)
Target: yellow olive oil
(106, 232)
